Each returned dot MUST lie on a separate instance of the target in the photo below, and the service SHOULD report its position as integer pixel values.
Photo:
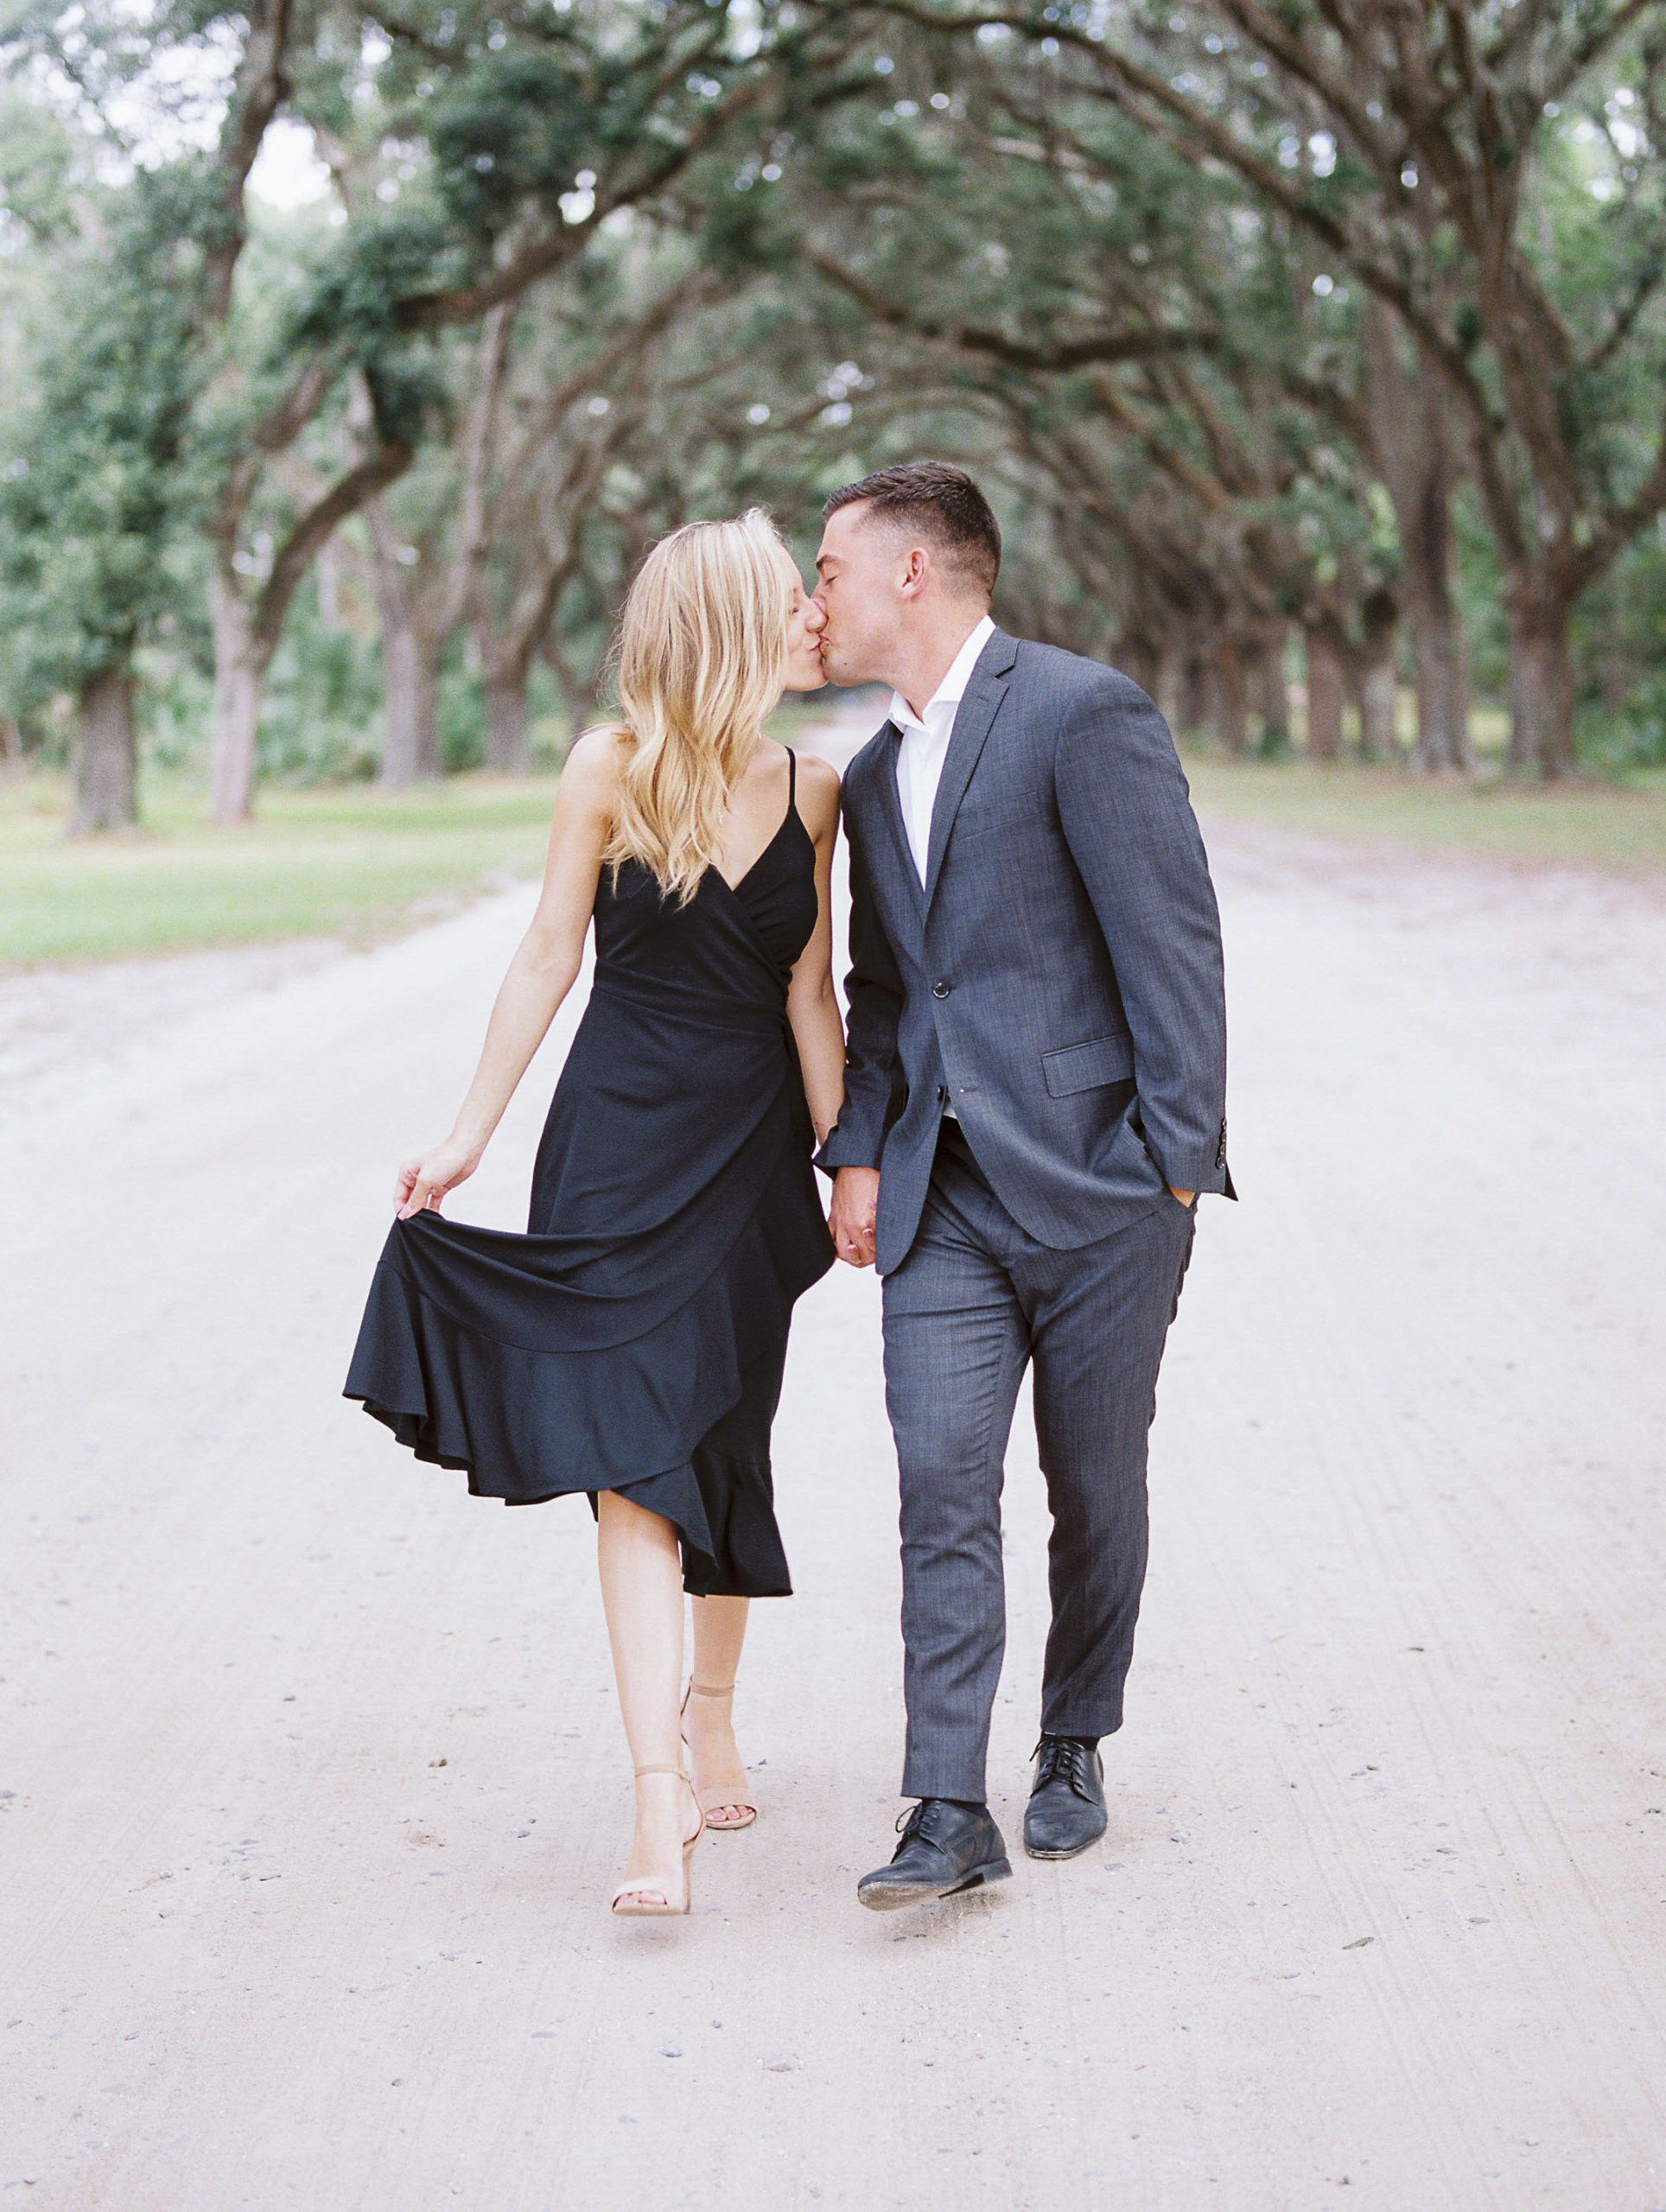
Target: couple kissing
(1018, 1124)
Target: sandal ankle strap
(699, 1689)
(677, 1770)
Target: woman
(630, 1345)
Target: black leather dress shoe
(1067, 1811)
(945, 1846)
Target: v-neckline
(746, 874)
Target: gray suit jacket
(1059, 978)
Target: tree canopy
(1326, 339)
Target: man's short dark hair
(942, 504)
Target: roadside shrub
(322, 719)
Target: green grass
(357, 863)
(352, 863)
(1621, 828)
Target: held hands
(1184, 1197)
(422, 1182)
(851, 1215)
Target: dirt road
(304, 1877)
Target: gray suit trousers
(975, 1300)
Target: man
(1034, 1088)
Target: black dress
(633, 1340)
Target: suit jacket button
(943, 1095)
(940, 989)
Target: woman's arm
(811, 1007)
(540, 975)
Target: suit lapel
(885, 772)
(973, 723)
(875, 768)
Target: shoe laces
(918, 1822)
(1062, 1758)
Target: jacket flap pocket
(1085, 1067)
(1011, 821)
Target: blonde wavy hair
(700, 656)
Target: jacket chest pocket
(1012, 819)
(1088, 1065)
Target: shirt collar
(952, 690)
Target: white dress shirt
(926, 742)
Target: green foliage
(460, 712)
(992, 211)
(87, 523)
(1620, 657)
(351, 293)
(322, 709)
(37, 170)
(1482, 594)
(520, 125)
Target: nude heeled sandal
(640, 1886)
(737, 1794)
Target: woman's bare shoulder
(589, 774)
(818, 791)
(597, 752)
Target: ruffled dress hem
(528, 1427)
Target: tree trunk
(1170, 694)
(506, 751)
(1440, 658)
(1541, 686)
(1229, 701)
(1376, 694)
(1323, 697)
(1413, 441)
(411, 736)
(1440, 653)
(1194, 694)
(106, 756)
(1273, 692)
(410, 660)
(1373, 671)
(1136, 657)
(326, 574)
(240, 664)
